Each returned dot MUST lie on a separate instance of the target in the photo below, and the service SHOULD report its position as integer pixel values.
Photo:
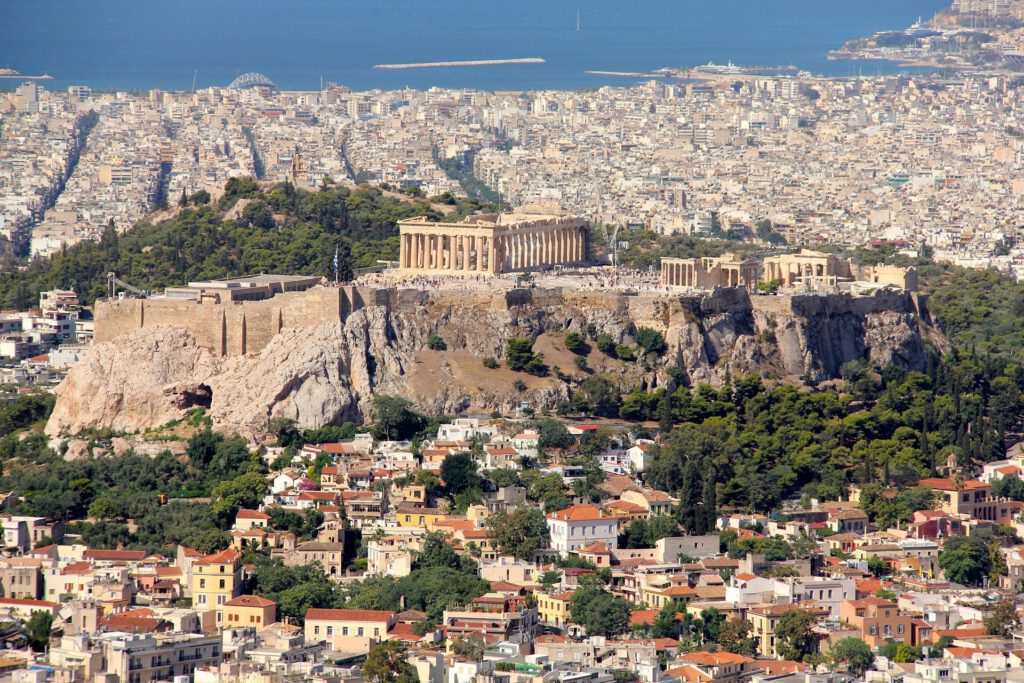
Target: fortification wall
(239, 328)
(228, 328)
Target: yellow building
(554, 608)
(249, 611)
(216, 579)
(763, 620)
(413, 516)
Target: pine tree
(709, 506)
(689, 495)
(183, 202)
(665, 414)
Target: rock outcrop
(330, 372)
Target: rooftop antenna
(194, 75)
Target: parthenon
(492, 243)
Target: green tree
(599, 612)
(245, 491)
(793, 636)
(855, 654)
(575, 343)
(37, 630)
(735, 637)
(436, 343)
(458, 471)
(394, 418)
(471, 647)
(666, 622)
(553, 434)
(209, 541)
(650, 340)
(1001, 619)
(519, 356)
(105, 508)
(599, 395)
(386, 663)
(965, 560)
(550, 578)
(520, 533)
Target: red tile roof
(348, 614)
(115, 555)
(578, 513)
(250, 601)
(252, 514)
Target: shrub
(574, 342)
(491, 363)
(518, 353)
(581, 363)
(435, 343)
(605, 345)
(625, 352)
(519, 385)
(650, 340)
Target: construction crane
(113, 282)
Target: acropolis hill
(320, 355)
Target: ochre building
(492, 243)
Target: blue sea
(141, 44)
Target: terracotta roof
(115, 555)
(252, 514)
(949, 485)
(550, 638)
(625, 506)
(250, 601)
(348, 614)
(24, 602)
(578, 513)
(596, 548)
(643, 617)
(715, 658)
(228, 556)
(120, 622)
(689, 674)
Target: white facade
(581, 525)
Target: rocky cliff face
(329, 373)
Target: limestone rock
(134, 383)
(329, 373)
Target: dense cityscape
(714, 376)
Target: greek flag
(335, 264)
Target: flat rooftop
(254, 281)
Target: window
(222, 583)
(888, 631)
(873, 630)
(316, 630)
(344, 630)
(360, 631)
(330, 631)
(376, 632)
(202, 583)
(899, 628)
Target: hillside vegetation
(280, 230)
